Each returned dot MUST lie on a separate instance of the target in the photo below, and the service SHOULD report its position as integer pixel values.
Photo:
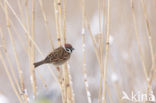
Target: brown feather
(57, 57)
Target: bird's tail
(39, 63)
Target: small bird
(57, 57)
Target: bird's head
(68, 48)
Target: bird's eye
(68, 50)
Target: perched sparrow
(58, 56)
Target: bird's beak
(73, 49)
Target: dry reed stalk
(109, 94)
(57, 11)
(83, 51)
(17, 34)
(30, 47)
(99, 14)
(19, 37)
(93, 39)
(63, 39)
(149, 35)
(23, 26)
(28, 35)
(139, 46)
(67, 94)
(50, 38)
(67, 91)
(138, 42)
(102, 36)
(28, 28)
(102, 42)
(67, 76)
(64, 21)
(19, 91)
(96, 49)
(19, 3)
(66, 88)
(46, 23)
(106, 54)
(57, 14)
(42, 80)
(8, 59)
(9, 62)
(62, 86)
(48, 30)
(58, 3)
(13, 72)
(101, 49)
(21, 11)
(32, 51)
(87, 25)
(21, 41)
(148, 80)
(85, 71)
(70, 91)
(65, 85)
(10, 78)
(15, 53)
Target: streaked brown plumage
(58, 57)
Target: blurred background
(131, 55)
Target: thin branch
(149, 35)
(10, 78)
(46, 23)
(32, 53)
(14, 50)
(106, 54)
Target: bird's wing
(61, 55)
(56, 55)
